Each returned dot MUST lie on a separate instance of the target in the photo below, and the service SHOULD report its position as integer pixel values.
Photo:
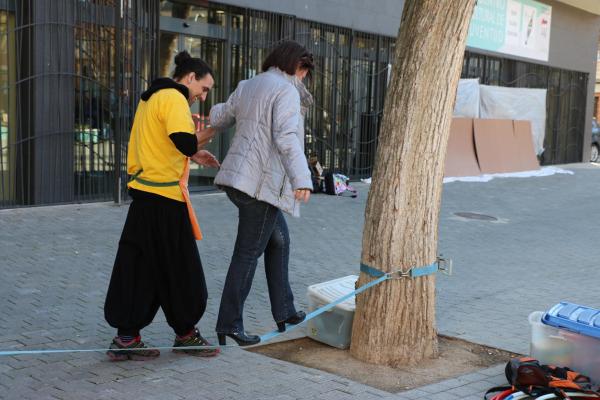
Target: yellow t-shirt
(166, 111)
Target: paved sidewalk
(55, 263)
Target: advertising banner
(514, 27)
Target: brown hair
(288, 56)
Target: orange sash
(183, 184)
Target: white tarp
(544, 171)
(467, 99)
(516, 103)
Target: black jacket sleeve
(185, 143)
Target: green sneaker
(194, 339)
(136, 355)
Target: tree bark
(394, 323)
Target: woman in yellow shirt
(157, 263)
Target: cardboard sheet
(461, 159)
(524, 138)
(496, 146)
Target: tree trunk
(394, 322)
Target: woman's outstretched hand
(205, 158)
(302, 195)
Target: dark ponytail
(184, 64)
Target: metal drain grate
(480, 217)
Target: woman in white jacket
(264, 173)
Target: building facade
(71, 73)
(597, 90)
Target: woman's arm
(222, 115)
(286, 119)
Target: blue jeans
(261, 229)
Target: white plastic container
(563, 348)
(333, 327)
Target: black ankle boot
(293, 320)
(240, 337)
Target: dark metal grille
(137, 63)
(348, 87)
(70, 71)
(348, 84)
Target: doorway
(199, 31)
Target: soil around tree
(456, 357)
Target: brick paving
(55, 263)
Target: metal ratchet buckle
(444, 265)
(400, 274)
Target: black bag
(317, 182)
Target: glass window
(95, 104)
(168, 50)
(211, 51)
(7, 109)
(190, 12)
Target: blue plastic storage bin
(575, 318)
(567, 335)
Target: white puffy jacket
(266, 158)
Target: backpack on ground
(527, 375)
(338, 184)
